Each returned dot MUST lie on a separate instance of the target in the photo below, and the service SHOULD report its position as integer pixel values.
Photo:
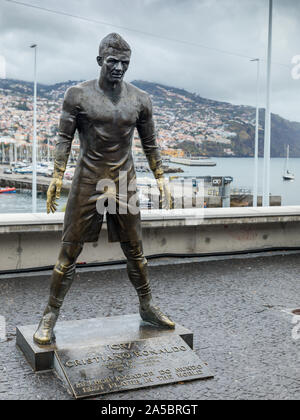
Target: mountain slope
(184, 120)
(238, 119)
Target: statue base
(91, 332)
(100, 356)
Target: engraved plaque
(91, 371)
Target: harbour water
(241, 169)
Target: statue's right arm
(67, 128)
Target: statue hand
(165, 199)
(53, 194)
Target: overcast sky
(68, 46)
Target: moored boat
(287, 175)
(193, 161)
(7, 190)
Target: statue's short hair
(113, 42)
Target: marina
(240, 169)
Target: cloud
(68, 46)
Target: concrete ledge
(33, 222)
(33, 240)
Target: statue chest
(101, 111)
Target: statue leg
(61, 281)
(137, 273)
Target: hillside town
(185, 124)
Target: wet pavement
(238, 309)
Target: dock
(25, 183)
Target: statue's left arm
(146, 129)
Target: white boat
(287, 175)
(193, 161)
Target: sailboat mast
(287, 174)
(287, 158)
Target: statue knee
(68, 255)
(133, 250)
(64, 269)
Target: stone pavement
(237, 308)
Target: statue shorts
(84, 216)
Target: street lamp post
(34, 143)
(15, 153)
(267, 142)
(48, 150)
(3, 152)
(255, 180)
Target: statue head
(114, 57)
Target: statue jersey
(106, 130)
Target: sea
(240, 169)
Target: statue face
(114, 66)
